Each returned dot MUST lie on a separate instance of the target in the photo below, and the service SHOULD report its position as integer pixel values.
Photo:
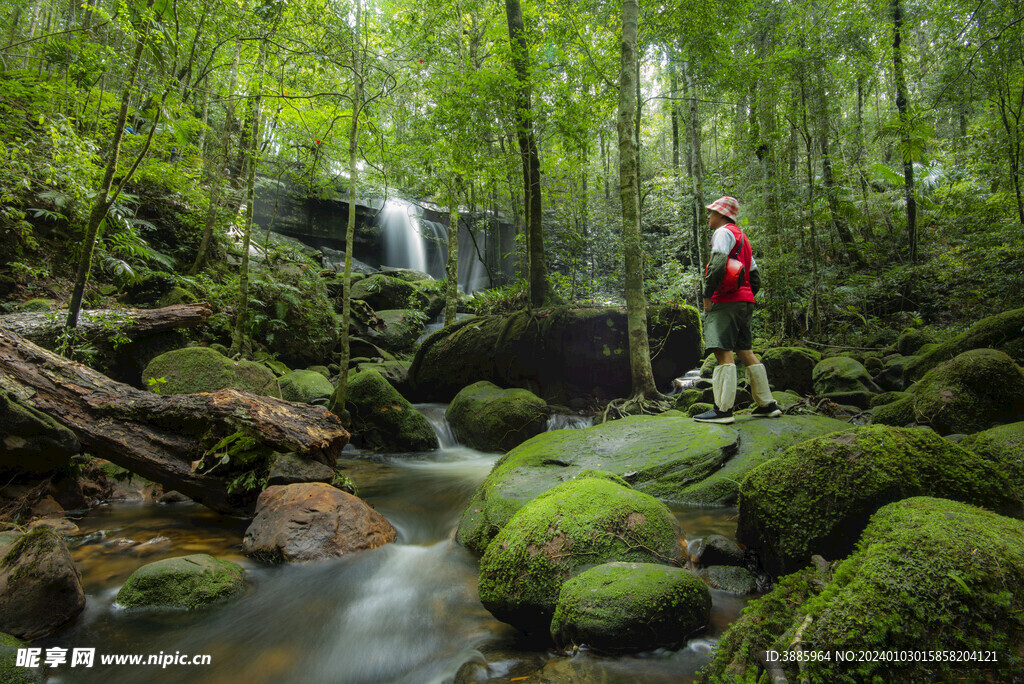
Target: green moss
(619, 607)
(10, 672)
(899, 413)
(887, 398)
(36, 305)
(1003, 445)
(911, 340)
(575, 525)
(1003, 331)
(383, 418)
(185, 582)
(791, 367)
(489, 418)
(688, 398)
(699, 407)
(306, 386)
(840, 374)
(201, 369)
(817, 496)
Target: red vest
(745, 255)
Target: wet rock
(183, 582)
(595, 518)
(313, 521)
(201, 369)
(623, 607)
(976, 390)
(61, 526)
(844, 380)
(172, 497)
(383, 418)
(672, 458)
(290, 468)
(1003, 332)
(383, 292)
(306, 386)
(401, 328)
(717, 549)
(817, 496)
(40, 588)
(791, 367)
(31, 441)
(922, 565)
(489, 418)
(558, 354)
(729, 578)
(10, 671)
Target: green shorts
(727, 326)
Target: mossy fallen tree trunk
(100, 325)
(162, 437)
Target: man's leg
(723, 383)
(759, 388)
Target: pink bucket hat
(726, 206)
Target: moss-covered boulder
(383, 418)
(401, 328)
(622, 607)
(40, 588)
(37, 306)
(558, 354)
(845, 380)
(383, 292)
(10, 671)
(1003, 332)
(587, 521)
(201, 369)
(489, 418)
(817, 496)
(184, 582)
(673, 459)
(30, 440)
(731, 579)
(912, 339)
(791, 367)
(972, 392)
(306, 386)
(688, 398)
(929, 576)
(1003, 445)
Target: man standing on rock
(730, 282)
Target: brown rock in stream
(313, 521)
(40, 589)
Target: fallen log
(162, 437)
(100, 325)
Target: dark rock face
(315, 521)
(558, 354)
(40, 589)
(31, 441)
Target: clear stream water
(406, 612)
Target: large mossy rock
(791, 368)
(201, 369)
(593, 519)
(672, 458)
(816, 497)
(489, 418)
(40, 588)
(1004, 332)
(928, 576)
(383, 292)
(31, 441)
(1003, 445)
(401, 328)
(10, 671)
(313, 521)
(558, 354)
(844, 380)
(306, 386)
(972, 392)
(383, 418)
(184, 582)
(911, 340)
(622, 607)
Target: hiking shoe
(714, 416)
(772, 410)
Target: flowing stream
(406, 612)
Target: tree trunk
(162, 437)
(106, 195)
(99, 326)
(636, 304)
(528, 150)
(337, 405)
(674, 110)
(451, 266)
(700, 237)
(902, 106)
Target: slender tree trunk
(903, 106)
(636, 303)
(451, 266)
(828, 179)
(337, 405)
(674, 110)
(528, 149)
(700, 237)
(809, 142)
(1012, 148)
(107, 194)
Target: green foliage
(501, 300)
